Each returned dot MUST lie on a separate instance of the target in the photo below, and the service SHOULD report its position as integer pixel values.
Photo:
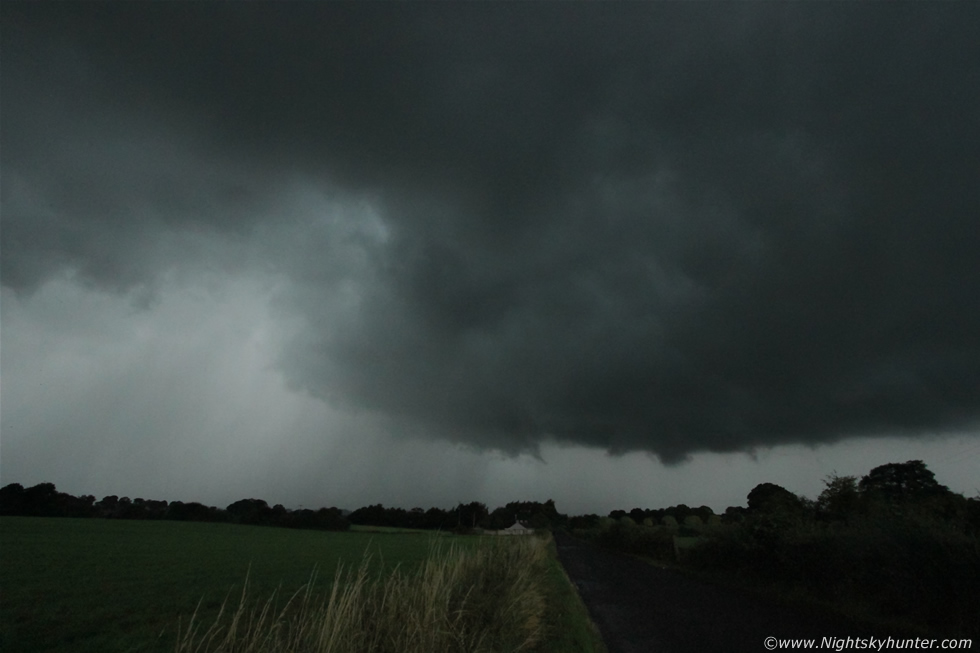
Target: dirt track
(640, 608)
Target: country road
(640, 608)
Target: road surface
(640, 608)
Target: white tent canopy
(517, 529)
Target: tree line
(473, 516)
(906, 489)
(894, 546)
(44, 500)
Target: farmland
(114, 585)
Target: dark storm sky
(660, 227)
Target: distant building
(517, 529)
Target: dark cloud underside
(661, 226)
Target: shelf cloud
(645, 227)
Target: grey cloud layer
(660, 227)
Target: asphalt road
(640, 608)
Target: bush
(625, 535)
(888, 568)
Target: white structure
(517, 529)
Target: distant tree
(680, 512)
(584, 522)
(302, 518)
(83, 506)
(436, 519)
(255, 512)
(901, 481)
(972, 514)
(734, 514)
(769, 497)
(397, 517)
(471, 515)
(324, 519)
(416, 518)
(278, 515)
(136, 509)
(12, 499)
(656, 516)
(375, 515)
(331, 519)
(704, 513)
(538, 515)
(156, 509)
(42, 500)
(125, 510)
(194, 511)
(840, 498)
(108, 507)
(500, 519)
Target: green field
(85, 585)
(105, 585)
(356, 528)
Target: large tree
(840, 497)
(769, 497)
(900, 481)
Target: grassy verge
(488, 598)
(569, 629)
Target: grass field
(100, 585)
(393, 529)
(97, 585)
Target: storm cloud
(653, 227)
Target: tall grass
(489, 598)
